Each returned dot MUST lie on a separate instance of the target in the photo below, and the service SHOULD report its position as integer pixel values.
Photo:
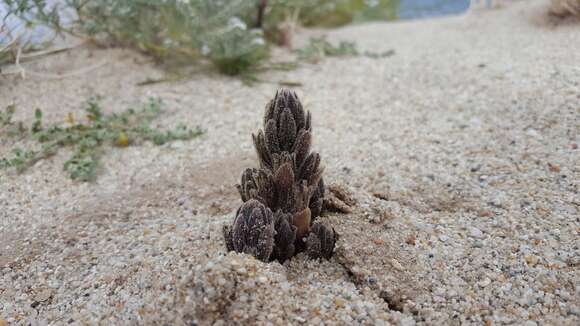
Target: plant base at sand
(87, 139)
(284, 196)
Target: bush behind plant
(171, 31)
(178, 32)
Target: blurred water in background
(403, 9)
(414, 9)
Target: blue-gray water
(405, 9)
(413, 9)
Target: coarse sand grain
(461, 151)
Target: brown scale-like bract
(283, 197)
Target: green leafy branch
(88, 139)
(319, 48)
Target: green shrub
(331, 13)
(319, 48)
(177, 32)
(172, 31)
(235, 51)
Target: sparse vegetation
(319, 48)
(330, 13)
(173, 32)
(89, 138)
(236, 52)
(176, 32)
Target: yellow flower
(123, 140)
(70, 118)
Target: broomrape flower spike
(284, 196)
(253, 230)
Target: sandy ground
(461, 150)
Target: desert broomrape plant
(284, 196)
